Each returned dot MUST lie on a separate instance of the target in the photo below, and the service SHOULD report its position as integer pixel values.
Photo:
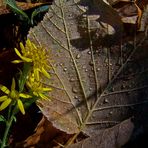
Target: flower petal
(3, 98)
(46, 74)
(5, 104)
(25, 59)
(46, 89)
(35, 93)
(13, 84)
(36, 74)
(43, 96)
(17, 61)
(22, 47)
(21, 106)
(28, 42)
(4, 89)
(25, 95)
(17, 52)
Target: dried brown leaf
(109, 138)
(83, 72)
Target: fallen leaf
(144, 20)
(45, 135)
(130, 12)
(92, 88)
(80, 85)
(114, 137)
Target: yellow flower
(11, 96)
(36, 55)
(37, 87)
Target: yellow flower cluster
(37, 88)
(38, 58)
(36, 55)
(12, 95)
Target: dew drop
(74, 90)
(91, 63)
(123, 86)
(83, 66)
(90, 88)
(89, 52)
(55, 65)
(78, 56)
(79, 100)
(106, 101)
(86, 70)
(65, 69)
(69, 15)
(61, 64)
(90, 76)
(119, 62)
(76, 97)
(98, 69)
(106, 61)
(111, 112)
(112, 89)
(97, 51)
(72, 80)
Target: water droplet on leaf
(78, 56)
(89, 52)
(111, 112)
(65, 69)
(98, 69)
(74, 90)
(83, 66)
(72, 79)
(106, 101)
(90, 88)
(91, 63)
(76, 97)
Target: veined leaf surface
(86, 70)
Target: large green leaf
(90, 90)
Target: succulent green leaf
(22, 15)
(37, 11)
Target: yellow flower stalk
(11, 96)
(36, 55)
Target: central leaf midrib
(73, 59)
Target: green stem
(9, 112)
(23, 76)
(8, 125)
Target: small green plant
(27, 88)
(22, 16)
